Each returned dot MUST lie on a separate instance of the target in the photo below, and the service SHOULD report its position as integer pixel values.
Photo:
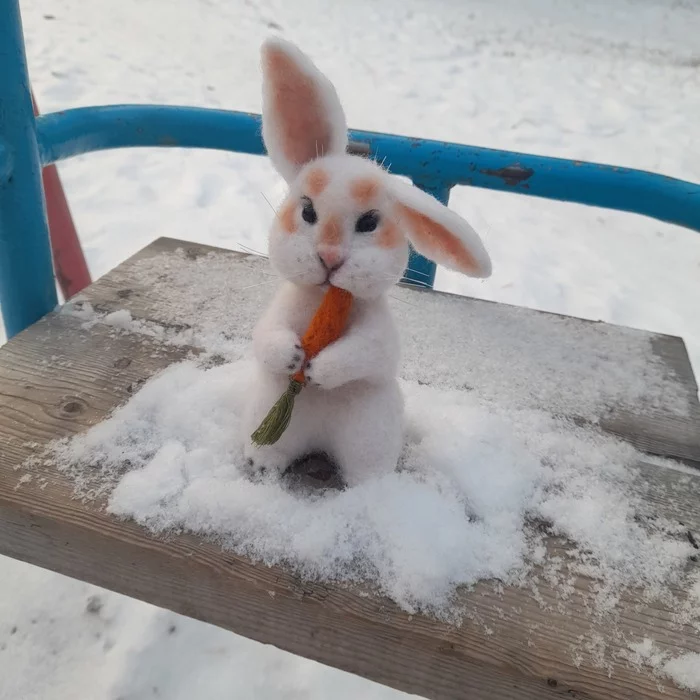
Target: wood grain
(516, 643)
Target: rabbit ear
(302, 115)
(439, 233)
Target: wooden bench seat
(60, 376)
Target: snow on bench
(536, 541)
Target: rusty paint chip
(512, 175)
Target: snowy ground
(614, 81)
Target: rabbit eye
(308, 213)
(367, 222)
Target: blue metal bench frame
(27, 288)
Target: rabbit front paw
(340, 364)
(323, 373)
(281, 353)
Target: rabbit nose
(332, 258)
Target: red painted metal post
(69, 261)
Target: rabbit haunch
(345, 222)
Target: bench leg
(27, 288)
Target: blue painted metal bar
(433, 163)
(27, 289)
(5, 163)
(76, 131)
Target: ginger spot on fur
(434, 236)
(364, 191)
(316, 181)
(287, 218)
(390, 235)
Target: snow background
(615, 82)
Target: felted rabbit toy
(343, 228)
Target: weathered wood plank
(58, 378)
(665, 426)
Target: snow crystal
(210, 301)
(685, 671)
(81, 310)
(645, 652)
(24, 479)
(119, 319)
(694, 590)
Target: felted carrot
(326, 326)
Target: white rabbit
(344, 222)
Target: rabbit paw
(281, 353)
(322, 374)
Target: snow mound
(683, 670)
(476, 488)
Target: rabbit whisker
(417, 272)
(410, 283)
(268, 202)
(257, 284)
(248, 249)
(403, 301)
(417, 283)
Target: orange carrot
(326, 326)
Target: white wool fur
(351, 407)
(368, 270)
